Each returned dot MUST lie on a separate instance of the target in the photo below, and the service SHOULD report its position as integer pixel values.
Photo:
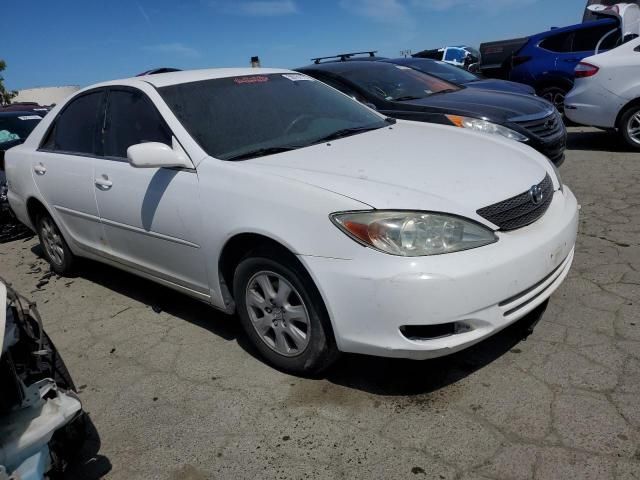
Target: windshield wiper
(407, 98)
(448, 90)
(346, 132)
(261, 152)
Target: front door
(151, 216)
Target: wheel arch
(633, 103)
(35, 208)
(553, 81)
(241, 245)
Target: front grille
(545, 127)
(521, 210)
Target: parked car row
(547, 61)
(328, 226)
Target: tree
(5, 95)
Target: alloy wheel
(52, 241)
(278, 313)
(633, 127)
(556, 97)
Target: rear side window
(560, 43)
(587, 39)
(131, 119)
(76, 129)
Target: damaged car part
(41, 417)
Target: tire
(556, 95)
(629, 121)
(55, 247)
(291, 330)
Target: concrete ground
(175, 392)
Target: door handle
(103, 183)
(40, 169)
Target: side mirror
(156, 155)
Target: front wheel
(629, 126)
(55, 247)
(283, 315)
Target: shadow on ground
(595, 140)
(87, 463)
(371, 374)
(397, 377)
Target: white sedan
(327, 227)
(607, 92)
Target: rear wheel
(629, 126)
(283, 314)
(555, 95)
(55, 247)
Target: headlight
(413, 234)
(480, 125)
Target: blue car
(547, 61)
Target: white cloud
(491, 5)
(261, 8)
(176, 48)
(382, 11)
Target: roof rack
(344, 56)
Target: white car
(607, 92)
(326, 226)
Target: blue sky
(79, 42)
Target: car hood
(415, 166)
(499, 107)
(502, 86)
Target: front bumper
(369, 298)
(553, 148)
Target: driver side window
(131, 119)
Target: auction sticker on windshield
(30, 117)
(298, 78)
(256, 79)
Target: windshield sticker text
(296, 77)
(245, 80)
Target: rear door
(151, 216)
(63, 168)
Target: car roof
(410, 60)
(341, 67)
(18, 113)
(188, 76)
(577, 26)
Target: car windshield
(445, 71)
(242, 117)
(17, 127)
(397, 82)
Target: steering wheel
(296, 122)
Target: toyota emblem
(536, 194)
